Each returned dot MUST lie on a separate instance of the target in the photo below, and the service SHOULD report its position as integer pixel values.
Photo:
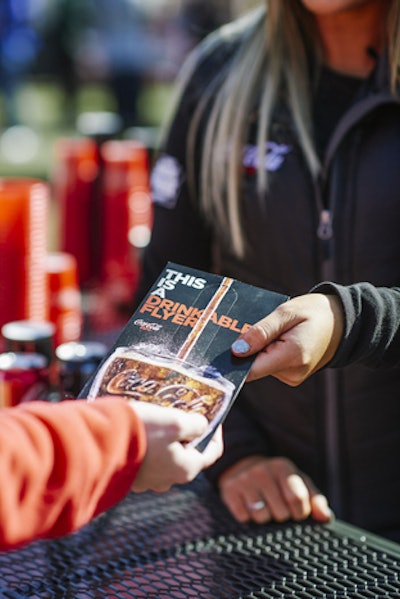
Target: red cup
(126, 204)
(65, 301)
(126, 207)
(24, 206)
(75, 179)
(140, 200)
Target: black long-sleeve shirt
(372, 324)
(358, 193)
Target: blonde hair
(280, 34)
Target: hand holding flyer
(175, 350)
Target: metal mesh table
(184, 544)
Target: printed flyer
(175, 349)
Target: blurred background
(84, 88)
(62, 58)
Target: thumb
(260, 335)
(185, 425)
(191, 425)
(320, 510)
(176, 424)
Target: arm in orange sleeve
(62, 464)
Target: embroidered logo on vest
(274, 157)
(166, 180)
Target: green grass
(42, 108)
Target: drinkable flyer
(175, 349)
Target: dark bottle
(77, 361)
(23, 377)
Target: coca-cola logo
(147, 326)
(179, 395)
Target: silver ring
(256, 506)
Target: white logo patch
(166, 179)
(274, 156)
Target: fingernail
(240, 346)
(322, 504)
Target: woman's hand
(169, 460)
(264, 489)
(298, 338)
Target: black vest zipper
(325, 235)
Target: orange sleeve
(62, 464)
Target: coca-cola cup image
(147, 372)
(141, 375)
